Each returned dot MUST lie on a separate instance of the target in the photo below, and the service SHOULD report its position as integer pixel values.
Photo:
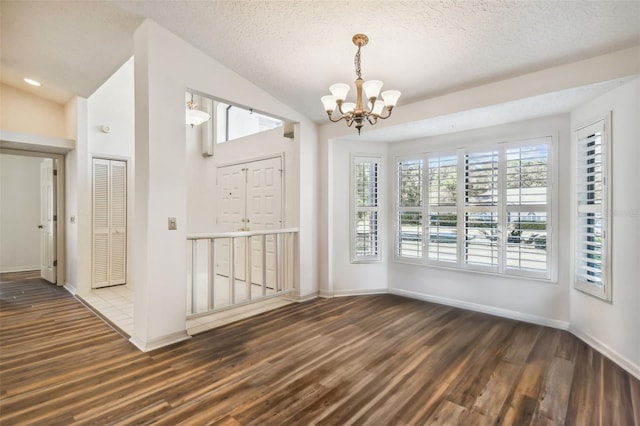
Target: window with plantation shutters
(365, 244)
(591, 254)
(409, 210)
(109, 193)
(487, 210)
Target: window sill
(474, 271)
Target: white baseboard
(605, 350)
(326, 294)
(70, 288)
(485, 309)
(159, 342)
(358, 292)
(19, 269)
(298, 298)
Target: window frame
(501, 208)
(582, 133)
(222, 121)
(355, 209)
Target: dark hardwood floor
(369, 360)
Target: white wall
(23, 112)
(166, 67)
(19, 213)
(111, 104)
(613, 327)
(346, 277)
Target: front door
(250, 199)
(231, 216)
(47, 221)
(264, 212)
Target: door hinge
(55, 217)
(55, 263)
(55, 173)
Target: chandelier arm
(383, 117)
(342, 117)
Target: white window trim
(551, 274)
(355, 258)
(603, 292)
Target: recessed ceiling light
(32, 82)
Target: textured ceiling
(296, 49)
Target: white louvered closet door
(109, 222)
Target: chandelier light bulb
(391, 97)
(329, 102)
(378, 107)
(372, 88)
(339, 91)
(348, 107)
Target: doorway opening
(32, 202)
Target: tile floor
(116, 304)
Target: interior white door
(47, 221)
(264, 211)
(109, 222)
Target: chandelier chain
(356, 61)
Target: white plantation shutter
(481, 209)
(365, 233)
(442, 208)
(109, 222)
(591, 254)
(527, 208)
(409, 222)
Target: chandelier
(195, 117)
(356, 112)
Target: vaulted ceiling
(296, 49)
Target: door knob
(40, 226)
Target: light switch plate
(173, 225)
